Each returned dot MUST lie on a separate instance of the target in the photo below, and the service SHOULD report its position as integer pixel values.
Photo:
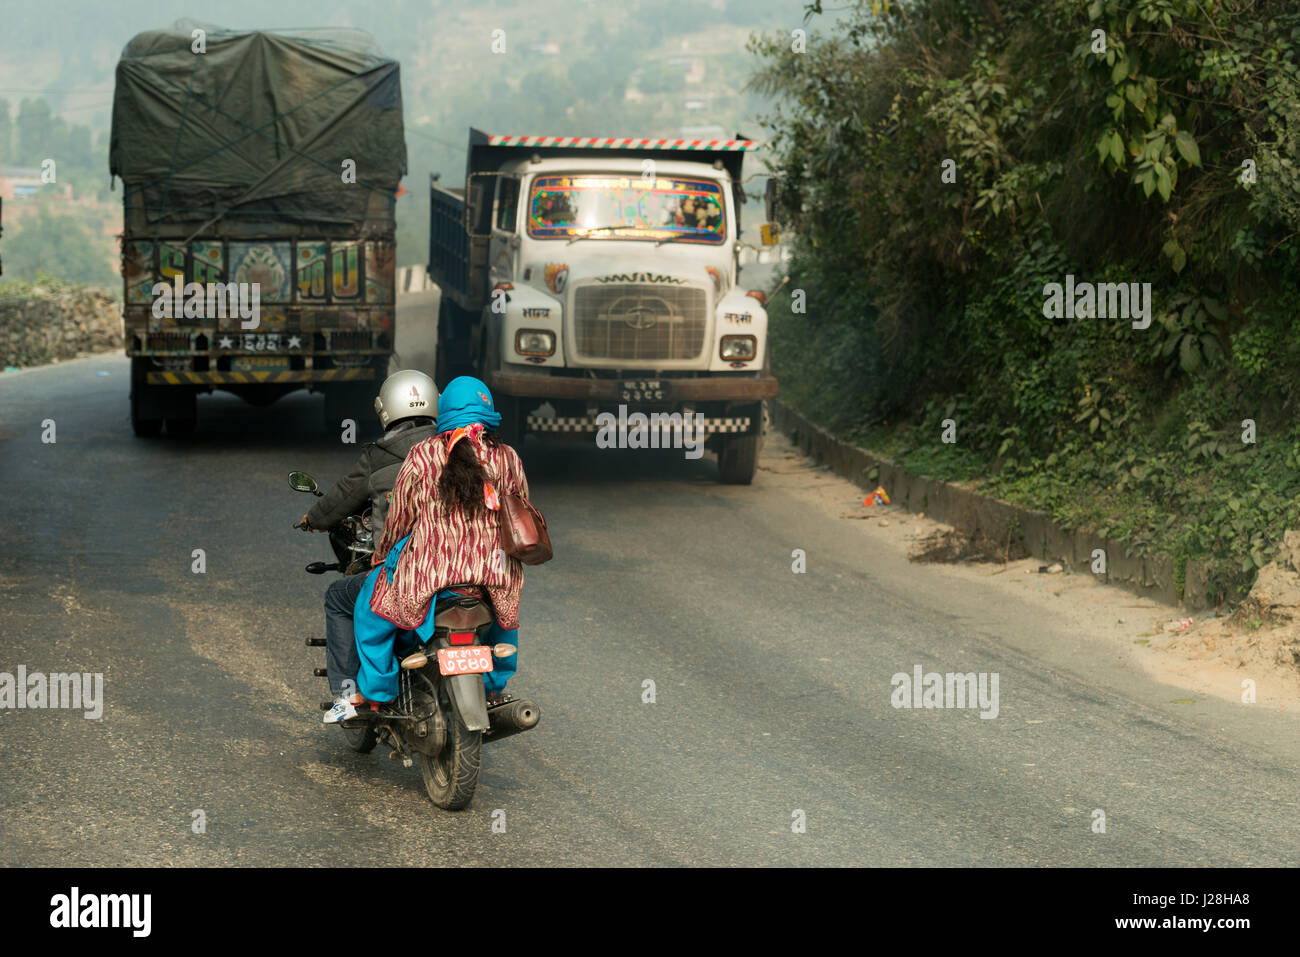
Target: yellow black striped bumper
(254, 378)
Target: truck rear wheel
(144, 428)
(452, 355)
(145, 420)
(738, 459)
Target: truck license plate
(644, 390)
(259, 364)
(475, 659)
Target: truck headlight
(535, 342)
(739, 347)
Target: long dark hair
(461, 481)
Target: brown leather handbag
(523, 530)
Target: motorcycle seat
(467, 596)
(466, 610)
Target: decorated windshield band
(626, 207)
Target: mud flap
(470, 701)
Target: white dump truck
(585, 278)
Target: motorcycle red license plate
(475, 659)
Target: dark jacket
(371, 479)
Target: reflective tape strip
(610, 143)
(254, 378)
(540, 423)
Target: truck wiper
(597, 229)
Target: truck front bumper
(703, 389)
(651, 426)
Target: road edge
(1150, 575)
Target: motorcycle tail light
(462, 637)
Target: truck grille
(640, 321)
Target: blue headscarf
(465, 401)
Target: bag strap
(532, 508)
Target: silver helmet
(404, 395)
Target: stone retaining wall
(1151, 576)
(58, 324)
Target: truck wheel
(144, 428)
(452, 355)
(738, 459)
(142, 421)
(511, 431)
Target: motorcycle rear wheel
(451, 778)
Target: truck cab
(595, 278)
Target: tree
(34, 128)
(58, 246)
(6, 133)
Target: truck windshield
(626, 207)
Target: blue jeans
(341, 662)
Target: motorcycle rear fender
(469, 700)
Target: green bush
(942, 161)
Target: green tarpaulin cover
(256, 127)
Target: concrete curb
(1151, 576)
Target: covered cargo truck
(259, 173)
(592, 280)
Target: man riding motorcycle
(407, 406)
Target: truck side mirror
(478, 205)
(771, 199)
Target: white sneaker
(341, 711)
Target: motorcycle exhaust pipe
(510, 718)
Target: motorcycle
(441, 717)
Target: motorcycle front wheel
(451, 777)
(361, 739)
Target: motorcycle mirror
(301, 482)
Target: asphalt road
(772, 689)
